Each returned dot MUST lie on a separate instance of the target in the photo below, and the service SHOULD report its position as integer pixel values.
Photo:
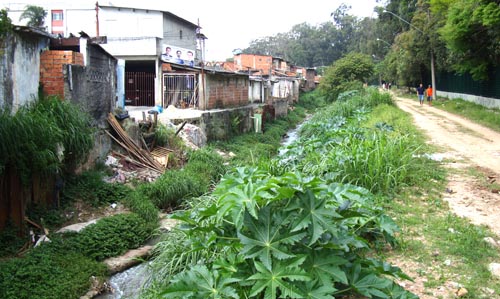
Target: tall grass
(347, 143)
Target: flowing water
(127, 284)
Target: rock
(462, 292)
(129, 259)
(77, 227)
(494, 269)
(491, 242)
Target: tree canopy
(35, 15)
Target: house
(137, 37)
(273, 80)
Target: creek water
(128, 284)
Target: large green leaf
(239, 199)
(313, 215)
(367, 283)
(324, 266)
(267, 237)
(315, 290)
(278, 279)
(201, 283)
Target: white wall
(487, 102)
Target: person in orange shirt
(428, 91)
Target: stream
(128, 284)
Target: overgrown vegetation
(284, 222)
(63, 267)
(43, 137)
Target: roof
(33, 31)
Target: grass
(435, 243)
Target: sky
(230, 25)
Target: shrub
(112, 236)
(41, 275)
(90, 188)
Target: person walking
(429, 95)
(420, 93)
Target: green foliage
(165, 136)
(142, 206)
(10, 242)
(471, 34)
(112, 236)
(174, 187)
(279, 236)
(347, 73)
(42, 275)
(35, 15)
(91, 188)
(34, 138)
(5, 23)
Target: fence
(140, 88)
(180, 90)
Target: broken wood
(136, 152)
(180, 129)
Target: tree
(35, 15)
(472, 36)
(347, 73)
(5, 23)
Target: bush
(42, 275)
(112, 236)
(90, 188)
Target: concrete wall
(226, 91)
(222, 124)
(19, 68)
(487, 102)
(280, 107)
(93, 87)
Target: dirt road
(464, 145)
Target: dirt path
(465, 145)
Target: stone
(77, 227)
(129, 259)
(494, 269)
(462, 292)
(491, 242)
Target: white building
(135, 36)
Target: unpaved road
(464, 145)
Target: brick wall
(227, 91)
(51, 70)
(259, 62)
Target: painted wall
(20, 68)
(487, 102)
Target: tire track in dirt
(467, 144)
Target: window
(180, 34)
(57, 15)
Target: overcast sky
(230, 25)
(233, 24)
